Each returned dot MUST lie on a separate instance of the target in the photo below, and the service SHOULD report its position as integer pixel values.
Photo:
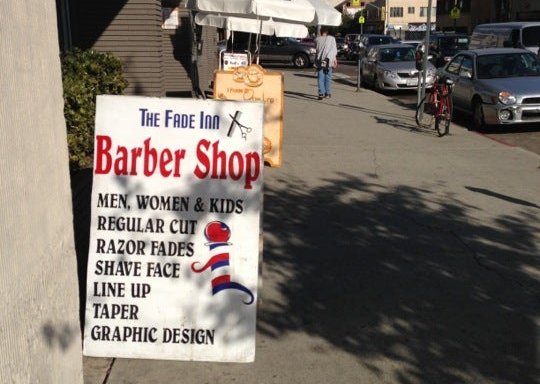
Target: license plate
(412, 82)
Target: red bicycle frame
(440, 98)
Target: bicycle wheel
(442, 121)
(425, 112)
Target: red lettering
(178, 155)
(127, 161)
(103, 157)
(204, 161)
(253, 168)
(135, 154)
(234, 166)
(165, 159)
(220, 156)
(150, 155)
(121, 164)
(240, 161)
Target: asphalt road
(523, 136)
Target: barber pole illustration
(217, 234)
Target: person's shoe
(327, 96)
(320, 97)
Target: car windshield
(392, 55)
(507, 65)
(379, 40)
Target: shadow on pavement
(510, 199)
(301, 95)
(403, 275)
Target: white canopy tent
(252, 25)
(284, 18)
(325, 14)
(300, 11)
(308, 12)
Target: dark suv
(443, 46)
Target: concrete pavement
(390, 255)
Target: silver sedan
(496, 85)
(392, 67)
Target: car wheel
(479, 122)
(300, 60)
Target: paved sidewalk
(390, 255)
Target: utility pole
(426, 54)
(386, 16)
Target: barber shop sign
(174, 241)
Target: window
(423, 11)
(453, 66)
(396, 11)
(410, 10)
(466, 67)
(531, 36)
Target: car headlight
(389, 74)
(312, 51)
(507, 98)
(345, 46)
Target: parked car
(496, 85)
(287, 50)
(365, 42)
(274, 49)
(391, 67)
(443, 46)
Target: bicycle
(436, 105)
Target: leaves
(86, 74)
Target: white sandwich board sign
(174, 240)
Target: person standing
(325, 62)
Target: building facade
(477, 12)
(163, 52)
(399, 18)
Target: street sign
(361, 19)
(455, 13)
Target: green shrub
(86, 74)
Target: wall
(131, 30)
(39, 326)
(157, 61)
(408, 18)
